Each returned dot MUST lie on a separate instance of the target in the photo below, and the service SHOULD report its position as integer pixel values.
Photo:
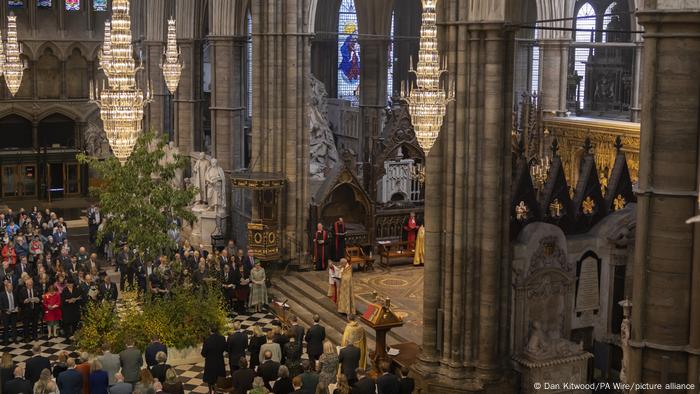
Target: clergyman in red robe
(410, 230)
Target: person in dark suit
(9, 307)
(297, 331)
(243, 377)
(387, 383)
(314, 339)
(237, 343)
(18, 385)
(152, 350)
(71, 297)
(31, 309)
(108, 290)
(365, 384)
(268, 370)
(70, 381)
(213, 353)
(228, 286)
(407, 384)
(36, 364)
(125, 263)
(23, 266)
(349, 359)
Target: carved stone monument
(209, 205)
(544, 295)
(324, 154)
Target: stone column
(187, 99)
(186, 102)
(227, 101)
(155, 112)
(554, 55)
(467, 275)
(666, 295)
(280, 136)
(155, 20)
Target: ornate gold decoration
(571, 132)
(172, 66)
(587, 206)
(556, 209)
(522, 211)
(13, 67)
(619, 202)
(428, 100)
(122, 102)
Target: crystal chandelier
(13, 68)
(172, 67)
(121, 103)
(428, 100)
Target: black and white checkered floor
(190, 374)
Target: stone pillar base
(568, 374)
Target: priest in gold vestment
(346, 296)
(419, 254)
(355, 334)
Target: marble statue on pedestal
(200, 166)
(215, 186)
(324, 154)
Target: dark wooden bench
(356, 255)
(393, 250)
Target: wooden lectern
(382, 320)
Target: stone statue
(540, 345)
(200, 166)
(324, 154)
(96, 142)
(215, 186)
(537, 343)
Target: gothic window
(99, 5)
(49, 75)
(15, 3)
(390, 73)
(535, 71)
(585, 32)
(601, 76)
(348, 53)
(43, 4)
(72, 5)
(249, 64)
(76, 75)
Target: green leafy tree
(140, 199)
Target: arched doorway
(57, 131)
(17, 179)
(57, 141)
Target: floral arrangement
(181, 320)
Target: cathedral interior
(562, 123)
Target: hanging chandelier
(172, 67)
(13, 67)
(427, 101)
(121, 102)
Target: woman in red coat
(52, 310)
(8, 253)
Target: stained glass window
(348, 53)
(99, 5)
(15, 3)
(43, 4)
(72, 5)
